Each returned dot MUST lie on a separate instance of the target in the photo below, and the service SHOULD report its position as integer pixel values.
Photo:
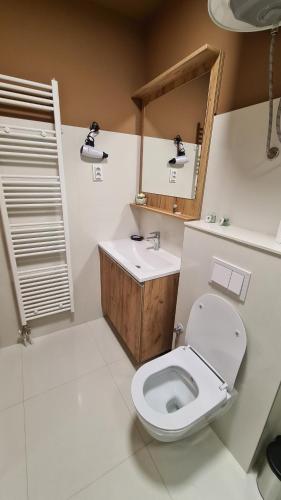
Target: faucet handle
(155, 233)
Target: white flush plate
(231, 278)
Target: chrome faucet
(155, 236)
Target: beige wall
(97, 211)
(178, 112)
(100, 57)
(96, 56)
(182, 26)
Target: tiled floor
(68, 430)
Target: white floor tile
(75, 433)
(11, 391)
(83, 437)
(123, 372)
(58, 358)
(201, 467)
(107, 342)
(13, 484)
(136, 478)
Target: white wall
(97, 211)
(272, 427)
(259, 377)
(241, 182)
(171, 230)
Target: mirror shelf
(162, 211)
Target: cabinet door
(130, 330)
(121, 298)
(159, 306)
(111, 290)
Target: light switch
(236, 283)
(221, 275)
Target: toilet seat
(212, 392)
(182, 391)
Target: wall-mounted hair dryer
(88, 152)
(181, 157)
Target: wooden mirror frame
(205, 60)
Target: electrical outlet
(97, 173)
(173, 175)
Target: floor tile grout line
(108, 333)
(146, 446)
(64, 332)
(25, 400)
(158, 470)
(24, 426)
(106, 472)
(22, 390)
(126, 404)
(124, 399)
(106, 364)
(97, 344)
(101, 352)
(65, 383)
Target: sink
(141, 263)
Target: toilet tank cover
(217, 332)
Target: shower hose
(272, 151)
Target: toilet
(180, 392)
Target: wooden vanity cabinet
(142, 314)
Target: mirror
(172, 138)
(172, 105)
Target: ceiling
(136, 9)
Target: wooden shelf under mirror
(208, 61)
(162, 211)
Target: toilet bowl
(182, 391)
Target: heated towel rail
(33, 202)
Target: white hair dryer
(88, 152)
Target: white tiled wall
(241, 182)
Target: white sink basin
(141, 263)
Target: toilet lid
(217, 332)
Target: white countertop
(142, 263)
(260, 241)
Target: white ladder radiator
(33, 202)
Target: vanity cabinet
(142, 314)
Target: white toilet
(180, 392)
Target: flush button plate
(231, 278)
